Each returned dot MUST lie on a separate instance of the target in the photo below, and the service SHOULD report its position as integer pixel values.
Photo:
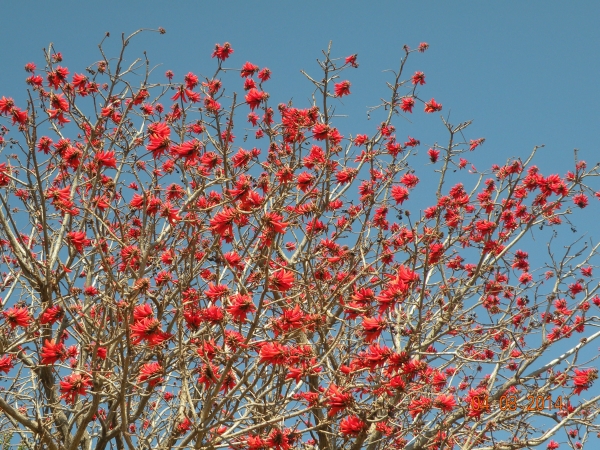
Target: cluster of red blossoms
(8, 108)
(185, 269)
(146, 328)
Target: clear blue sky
(526, 72)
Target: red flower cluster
(151, 372)
(146, 328)
(583, 379)
(17, 317)
(255, 97)
(342, 88)
(298, 271)
(158, 135)
(74, 385)
(53, 352)
(432, 106)
(222, 52)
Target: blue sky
(527, 73)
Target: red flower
(6, 363)
(407, 104)
(158, 134)
(58, 115)
(222, 52)
(184, 426)
(305, 180)
(210, 160)
(575, 288)
(375, 356)
(580, 200)
(351, 426)
(418, 78)
(337, 400)
(57, 77)
(140, 312)
(249, 83)
(151, 372)
(352, 60)
(148, 330)
(432, 106)
(107, 159)
(78, 240)
(101, 352)
(346, 175)
(253, 119)
(51, 315)
(208, 375)
(409, 180)
(274, 353)
(170, 213)
(423, 46)
(241, 306)
(248, 70)
(254, 97)
(475, 142)
(485, 227)
(274, 222)
(6, 105)
(213, 86)
(222, 223)
(214, 292)
(191, 80)
(17, 316)
(445, 402)
(52, 352)
(19, 116)
(320, 132)
(211, 105)
(291, 319)
(282, 280)
(44, 144)
(478, 400)
(360, 139)
(255, 443)
(37, 81)
(399, 194)
(59, 102)
(264, 74)
(342, 88)
(213, 314)
(525, 278)
(419, 405)
(373, 327)
(583, 379)
(80, 82)
(412, 142)
(278, 440)
(433, 155)
(74, 385)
